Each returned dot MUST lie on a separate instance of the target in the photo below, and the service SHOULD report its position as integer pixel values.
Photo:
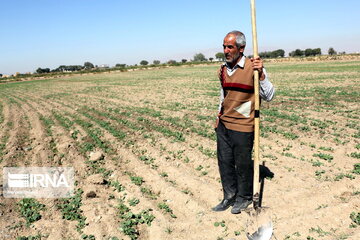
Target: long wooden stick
(256, 186)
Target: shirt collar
(240, 63)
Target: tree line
(281, 53)
(67, 68)
(198, 57)
(220, 56)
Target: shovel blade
(264, 232)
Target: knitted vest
(237, 112)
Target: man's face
(232, 53)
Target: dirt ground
(153, 133)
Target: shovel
(265, 230)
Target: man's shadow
(265, 172)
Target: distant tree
(265, 54)
(69, 68)
(183, 60)
(120, 65)
(144, 63)
(332, 51)
(43, 70)
(298, 53)
(1, 75)
(172, 62)
(73, 68)
(199, 57)
(88, 65)
(156, 62)
(220, 56)
(308, 52)
(273, 54)
(278, 53)
(316, 51)
(211, 59)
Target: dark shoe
(223, 205)
(240, 204)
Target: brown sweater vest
(237, 112)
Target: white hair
(240, 38)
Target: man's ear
(242, 49)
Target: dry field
(144, 152)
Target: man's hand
(257, 64)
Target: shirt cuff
(266, 79)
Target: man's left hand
(257, 64)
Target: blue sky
(52, 33)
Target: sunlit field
(143, 148)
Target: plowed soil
(153, 130)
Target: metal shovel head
(260, 226)
(264, 232)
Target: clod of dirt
(91, 194)
(96, 156)
(97, 179)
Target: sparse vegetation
(30, 208)
(70, 209)
(154, 130)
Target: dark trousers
(235, 164)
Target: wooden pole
(256, 186)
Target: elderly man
(235, 122)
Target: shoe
(240, 204)
(224, 204)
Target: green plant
(130, 220)
(342, 175)
(70, 209)
(356, 168)
(148, 193)
(168, 230)
(207, 152)
(187, 191)
(330, 149)
(355, 218)
(134, 201)
(147, 159)
(137, 180)
(88, 237)
(167, 209)
(322, 206)
(316, 163)
(355, 155)
(319, 172)
(30, 209)
(324, 156)
(304, 128)
(222, 224)
(113, 238)
(36, 237)
(74, 134)
(319, 231)
(199, 168)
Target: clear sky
(50, 33)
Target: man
(235, 122)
